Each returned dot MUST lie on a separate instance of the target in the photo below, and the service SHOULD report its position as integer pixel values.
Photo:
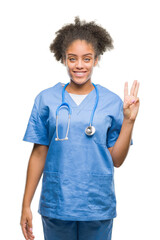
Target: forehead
(80, 47)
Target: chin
(79, 81)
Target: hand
(131, 102)
(26, 223)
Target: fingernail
(133, 101)
(31, 229)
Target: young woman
(80, 131)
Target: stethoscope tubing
(95, 106)
(70, 112)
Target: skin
(79, 85)
(76, 61)
(80, 56)
(130, 110)
(34, 172)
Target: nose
(79, 64)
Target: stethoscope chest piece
(90, 130)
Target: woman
(80, 131)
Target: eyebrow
(83, 55)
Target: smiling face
(80, 60)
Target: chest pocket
(101, 124)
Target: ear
(96, 61)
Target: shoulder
(111, 102)
(48, 91)
(108, 95)
(45, 95)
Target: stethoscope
(90, 130)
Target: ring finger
(136, 89)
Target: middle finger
(136, 89)
(133, 87)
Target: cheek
(91, 69)
(69, 66)
(90, 66)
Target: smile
(80, 74)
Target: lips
(79, 73)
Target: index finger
(126, 89)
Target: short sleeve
(36, 131)
(114, 130)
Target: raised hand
(131, 102)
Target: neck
(85, 88)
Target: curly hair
(90, 32)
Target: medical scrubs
(78, 176)
(55, 229)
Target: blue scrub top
(78, 176)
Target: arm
(120, 149)
(34, 172)
(130, 109)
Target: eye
(87, 59)
(71, 59)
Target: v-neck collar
(84, 102)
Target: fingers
(27, 231)
(133, 87)
(126, 89)
(30, 233)
(24, 230)
(136, 89)
(26, 223)
(130, 100)
(136, 100)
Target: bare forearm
(34, 172)
(121, 147)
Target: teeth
(79, 73)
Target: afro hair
(90, 32)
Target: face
(80, 60)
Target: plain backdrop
(27, 28)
